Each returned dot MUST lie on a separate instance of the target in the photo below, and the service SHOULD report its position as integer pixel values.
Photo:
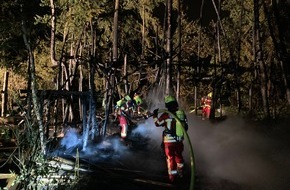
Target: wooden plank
(8, 148)
(56, 93)
(10, 179)
(7, 176)
(147, 181)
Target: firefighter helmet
(120, 102)
(127, 97)
(169, 98)
(209, 95)
(138, 99)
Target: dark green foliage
(200, 65)
(13, 14)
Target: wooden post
(10, 179)
(125, 75)
(4, 95)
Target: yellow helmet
(209, 95)
(120, 102)
(169, 98)
(127, 97)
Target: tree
(168, 73)
(275, 24)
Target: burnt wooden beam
(56, 93)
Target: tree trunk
(52, 37)
(92, 68)
(260, 61)
(125, 75)
(143, 34)
(5, 95)
(168, 48)
(93, 100)
(115, 32)
(280, 47)
(179, 51)
(237, 75)
(35, 99)
(86, 128)
(197, 72)
(81, 89)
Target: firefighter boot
(171, 178)
(180, 169)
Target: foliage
(76, 22)
(35, 171)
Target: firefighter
(173, 144)
(129, 105)
(122, 111)
(206, 101)
(138, 102)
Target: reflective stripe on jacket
(166, 121)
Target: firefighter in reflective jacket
(122, 109)
(139, 102)
(173, 143)
(129, 105)
(206, 106)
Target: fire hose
(192, 160)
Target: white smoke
(231, 150)
(148, 160)
(71, 139)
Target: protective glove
(155, 112)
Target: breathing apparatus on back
(181, 123)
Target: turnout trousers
(174, 159)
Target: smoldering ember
(145, 95)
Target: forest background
(238, 50)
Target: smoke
(103, 151)
(145, 139)
(113, 150)
(155, 98)
(232, 150)
(147, 157)
(71, 139)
